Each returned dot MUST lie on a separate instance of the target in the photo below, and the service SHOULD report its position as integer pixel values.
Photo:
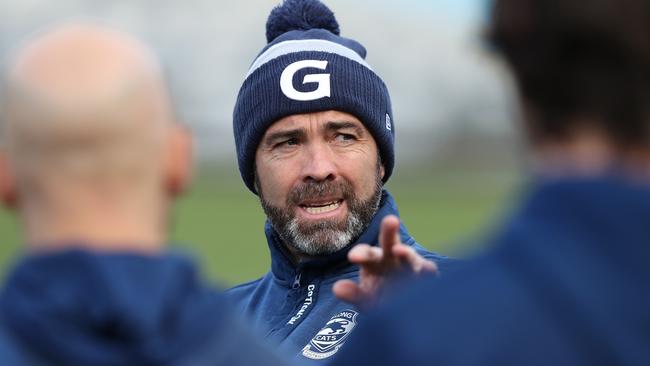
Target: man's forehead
(320, 120)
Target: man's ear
(178, 163)
(8, 193)
(382, 171)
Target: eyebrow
(274, 137)
(336, 125)
(298, 133)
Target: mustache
(314, 190)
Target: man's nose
(319, 163)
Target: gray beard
(323, 239)
(328, 236)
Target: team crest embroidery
(332, 336)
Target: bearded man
(315, 140)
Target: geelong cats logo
(332, 336)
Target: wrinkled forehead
(317, 122)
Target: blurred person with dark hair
(91, 160)
(567, 279)
(315, 136)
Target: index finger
(389, 236)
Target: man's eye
(345, 137)
(288, 142)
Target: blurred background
(459, 157)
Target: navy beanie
(307, 67)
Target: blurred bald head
(88, 129)
(84, 100)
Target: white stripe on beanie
(304, 45)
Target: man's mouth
(316, 208)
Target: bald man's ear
(7, 182)
(178, 164)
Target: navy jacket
(568, 283)
(79, 308)
(293, 305)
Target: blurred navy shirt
(82, 308)
(567, 283)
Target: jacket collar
(285, 270)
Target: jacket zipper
(296, 281)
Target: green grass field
(221, 223)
